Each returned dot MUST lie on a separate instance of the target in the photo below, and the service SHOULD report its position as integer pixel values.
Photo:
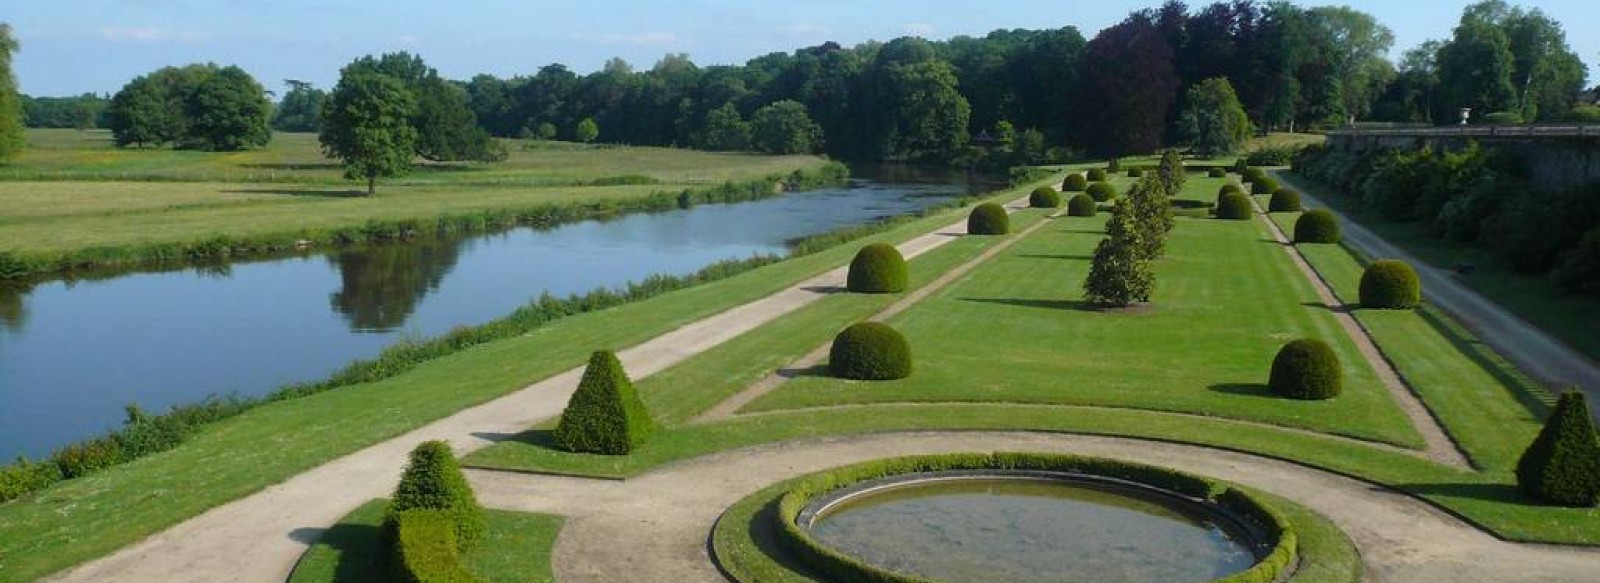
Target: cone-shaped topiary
(1284, 201)
(869, 351)
(1044, 197)
(1390, 285)
(1081, 206)
(1097, 175)
(1317, 226)
(988, 219)
(1135, 173)
(1233, 206)
(1102, 191)
(1227, 188)
(432, 481)
(1264, 185)
(1562, 465)
(877, 269)
(1216, 173)
(605, 415)
(1074, 183)
(1240, 165)
(1306, 369)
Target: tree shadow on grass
(816, 370)
(295, 192)
(764, 534)
(360, 551)
(1061, 257)
(1244, 389)
(1076, 305)
(1085, 231)
(1339, 309)
(825, 289)
(540, 438)
(1503, 493)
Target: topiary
(869, 351)
(1390, 285)
(1135, 173)
(1317, 226)
(432, 481)
(604, 415)
(1233, 206)
(1216, 173)
(1074, 183)
(1097, 175)
(1081, 206)
(1114, 165)
(1284, 201)
(1102, 191)
(1044, 197)
(1306, 369)
(1562, 465)
(1252, 174)
(1264, 185)
(988, 219)
(1229, 188)
(877, 269)
(1240, 166)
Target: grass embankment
(80, 519)
(516, 549)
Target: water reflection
(13, 312)
(381, 285)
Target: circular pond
(972, 527)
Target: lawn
(516, 549)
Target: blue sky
(73, 46)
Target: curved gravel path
(655, 527)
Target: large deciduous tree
(301, 108)
(228, 111)
(1127, 86)
(367, 125)
(785, 128)
(11, 125)
(446, 128)
(1213, 121)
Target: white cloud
(147, 34)
(804, 29)
(920, 29)
(643, 38)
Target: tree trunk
(372, 185)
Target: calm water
(1029, 531)
(73, 354)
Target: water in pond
(1030, 531)
(73, 354)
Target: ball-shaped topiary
(1081, 206)
(1284, 201)
(1135, 173)
(1102, 191)
(1317, 226)
(1253, 174)
(1074, 183)
(432, 480)
(1229, 188)
(1216, 173)
(1233, 206)
(869, 351)
(1264, 186)
(1562, 465)
(1390, 285)
(1097, 175)
(877, 269)
(1306, 369)
(1044, 197)
(988, 219)
(604, 415)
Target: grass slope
(516, 549)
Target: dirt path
(655, 527)
(1533, 351)
(1440, 448)
(259, 537)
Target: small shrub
(1044, 197)
(1585, 114)
(1240, 166)
(1562, 465)
(1271, 157)
(869, 351)
(877, 269)
(25, 476)
(432, 481)
(1306, 369)
(1074, 183)
(1114, 165)
(1217, 173)
(1284, 201)
(1317, 226)
(1135, 173)
(1097, 175)
(1253, 174)
(1390, 285)
(988, 219)
(1233, 206)
(1229, 188)
(1081, 206)
(605, 415)
(83, 458)
(1264, 185)
(1102, 191)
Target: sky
(76, 46)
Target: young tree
(228, 111)
(785, 127)
(367, 125)
(725, 130)
(1151, 210)
(1213, 121)
(546, 131)
(587, 131)
(1120, 274)
(11, 124)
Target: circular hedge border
(988, 219)
(1081, 206)
(878, 268)
(1044, 197)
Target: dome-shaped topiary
(1284, 201)
(1216, 173)
(1097, 175)
(1233, 206)
(1229, 188)
(1135, 173)
(1317, 226)
(1044, 197)
(877, 269)
(1390, 285)
(1081, 206)
(1306, 369)
(1253, 174)
(1074, 183)
(988, 219)
(1264, 186)
(604, 415)
(1102, 191)
(432, 481)
(869, 351)
(1562, 465)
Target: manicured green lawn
(516, 549)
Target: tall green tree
(228, 111)
(726, 130)
(921, 114)
(138, 115)
(367, 125)
(785, 127)
(1359, 46)
(1120, 273)
(1213, 121)
(1149, 205)
(446, 127)
(1128, 85)
(1475, 69)
(301, 108)
(12, 138)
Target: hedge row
(841, 568)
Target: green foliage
(425, 548)
(1172, 173)
(24, 477)
(1229, 188)
(1216, 173)
(1264, 185)
(1579, 269)
(301, 108)
(878, 268)
(1135, 173)
(1097, 175)
(785, 127)
(1044, 197)
(1074, 182)
(1151, 206)
(869, 351)
(154, 109)
(1102, 192)
(12, 138)
(1114, 165)
(1081, 205)
(1284, 201)
(228, 111)
(1271, 157)
(1234, 206)
(1585, 114)
(586, 131)
(1502, 118)
(988, 219)
(605, 415)
(1562, 465)
(1213, 121)
(367, 126)
(1306, 369)
(725, 130)
(1390, 285)
(1120, 273)
(432, 481)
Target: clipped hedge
(1074, 183)
(1390, 285)
(1097, 175)
(1264, 185)
(1284, 201)
(878, 268)
(870, 351)
(1229, 188)
(835, 566)
(1081, 206)
(1562, 465)
(432, 481)
(1135, 173)
(1217, 173)
(605, 415)
(988, 219)
(1317, 226)
(1044, 197)
(1306, 369)
(1234, 206)
(425, 549)
(1114, 165)
(1102, 191)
